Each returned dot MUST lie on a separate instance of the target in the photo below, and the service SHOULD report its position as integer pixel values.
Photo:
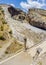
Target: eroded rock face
(37, 18)
(17, 13)
(13, 11)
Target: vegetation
(39, 63)
(1, 28)
(2, 11)
(6, 52)
(0, 46)
(10, 32)
(2, 38)
(14, 47)
(3, 25)
(4, 22)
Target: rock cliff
(37, 18)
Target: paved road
(22, 58)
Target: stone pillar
(25, 41)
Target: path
(22, 58)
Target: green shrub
(2, 38)
(2, 11)
(0, 46)
(1, 28)
(0, 8)
(6, 52)
(4, 22)
(10, 32)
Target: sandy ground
(32, 51)
(3, 49)
(22, 58)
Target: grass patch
(2, 28)
(14, 47)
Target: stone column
(25, 41)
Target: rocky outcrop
(17, 14)
(37, 18)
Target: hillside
(18, 26)
(6, 38)
(4, 27)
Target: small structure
(25, 41)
